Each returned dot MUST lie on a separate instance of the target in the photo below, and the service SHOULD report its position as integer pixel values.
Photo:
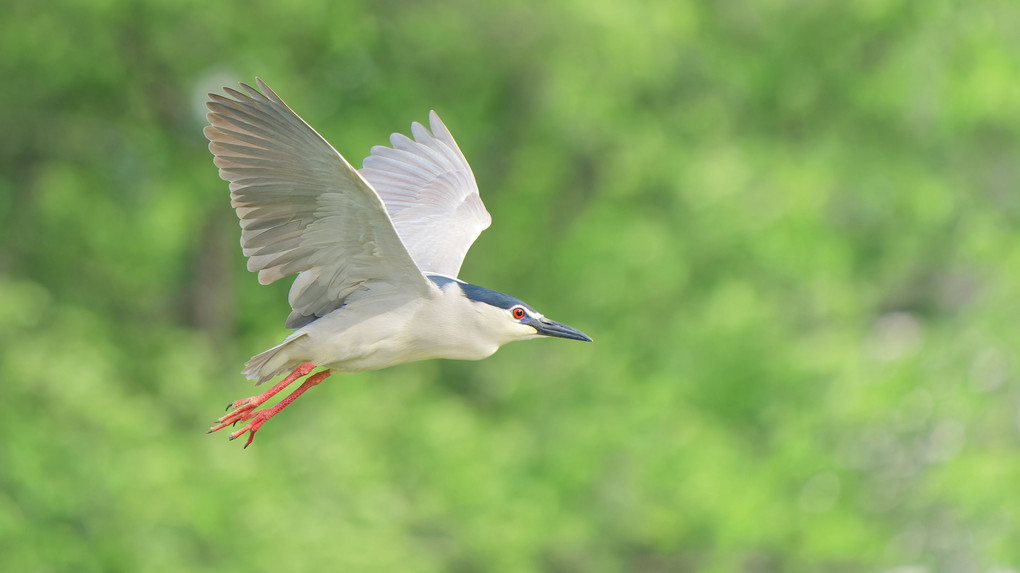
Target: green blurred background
(792, 228)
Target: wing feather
(302, 208)
(431, 195)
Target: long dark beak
(547, 327)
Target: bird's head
(514, 319)
(505, 318)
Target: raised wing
(431, 195)
(303, 208)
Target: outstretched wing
(431, 195)
(303, 208)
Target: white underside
(382, 325)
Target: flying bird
(376, 251)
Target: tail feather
(273, 362)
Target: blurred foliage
(792, 228)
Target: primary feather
(430, 194)
(303, 209)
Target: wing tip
(263, 91)
(268, 91)
(440, 131)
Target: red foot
(245, 409)
(242, 408)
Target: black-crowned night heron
(376, 252)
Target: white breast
(382, 328)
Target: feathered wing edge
(293, 194)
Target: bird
(376, 251)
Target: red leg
(244, 406)
(261, 416)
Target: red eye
(518, 312)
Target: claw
(244, 410)
(253, 426)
